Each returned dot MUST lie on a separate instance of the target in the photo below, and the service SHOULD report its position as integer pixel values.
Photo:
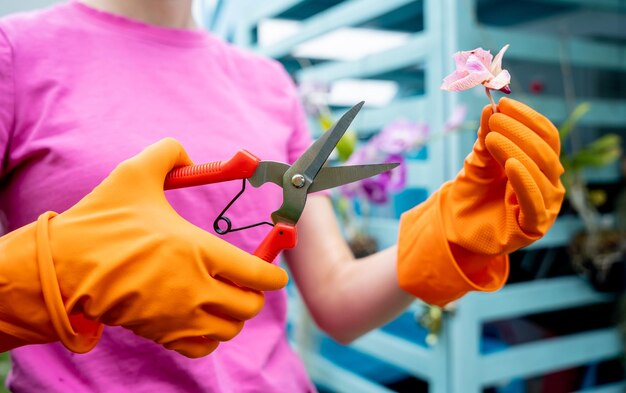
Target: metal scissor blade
(330, 177)
(307, 167)
(316, 155)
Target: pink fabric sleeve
(7, 105)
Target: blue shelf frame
(455, 364)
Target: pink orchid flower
(478, 67)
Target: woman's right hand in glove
(122, 256)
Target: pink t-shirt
(82, 90)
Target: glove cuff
(23, 315)
(32, 309)
(77, 333)
(430, 270)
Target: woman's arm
(506, 197)
(346, 297)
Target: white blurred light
(340, 44)
(271, 31)
(349, 44)
(347, 92)
(201, 11)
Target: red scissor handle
(281, 237)
(241, 166)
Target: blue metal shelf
(440, 28)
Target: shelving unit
(437, 29)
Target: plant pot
(363, 245)
(605, 268)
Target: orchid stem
(493, 103)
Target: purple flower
(377, 189)
(374, 191)
(388, 146)
(401, 136)
(456, 119)
(313, 95)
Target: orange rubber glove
(507, 196)
(122, 256)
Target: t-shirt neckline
(167, 35)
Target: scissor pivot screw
(298, 180)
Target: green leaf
(346, 145)
(566, 128)
(601, 152)
(592, 158)
(605, 142)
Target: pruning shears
(306, 175)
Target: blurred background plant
(600, 249)
(5, 365)
(395, 141)
(353, 202)
(598, 253)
